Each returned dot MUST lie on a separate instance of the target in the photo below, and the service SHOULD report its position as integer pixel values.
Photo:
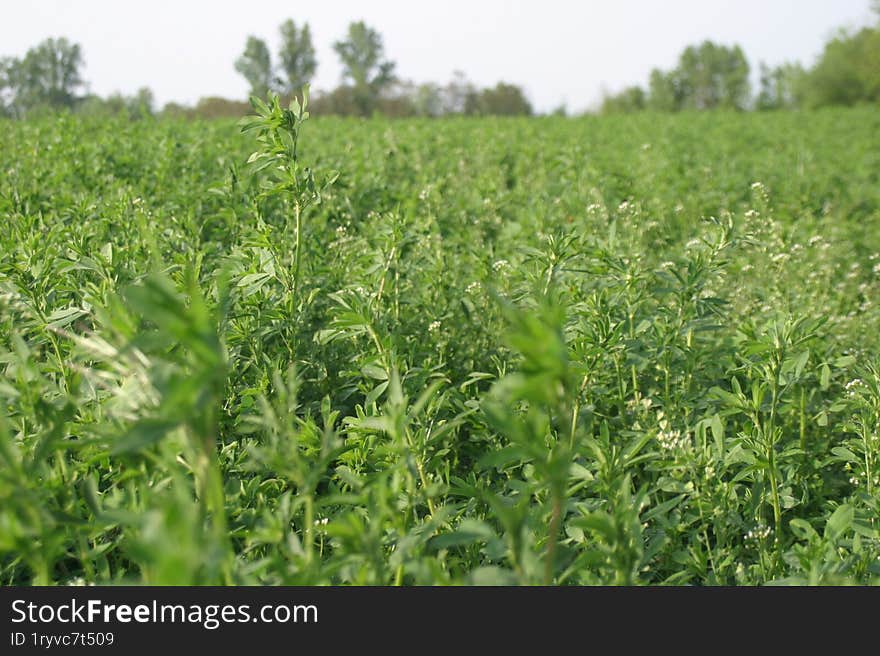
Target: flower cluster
(759, 533)
(670, 439)
(853, 386)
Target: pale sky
(558, 51)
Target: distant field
(626, 350)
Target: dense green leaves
(595, 351)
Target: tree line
(49, 77)
(707, 76)
(369, 82)
(715, 76)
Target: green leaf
(253, 282)
(839, 522)
(142, 435)
(64, 316)
(468, 531)
(597, 522)
(802, 529)
(717, 432)
(824, 376)
(374, 371)
(501, 458)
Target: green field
(623, 350)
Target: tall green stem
(553, 534)
(297, 252)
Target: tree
(502, 100)
(47, 76)
(132, 107)
(631, 99)
(848, 72)
(7, 91)
(712, 76)
(297, 56)
(456, 93)
(663, 92)
(255, 64)
(781, 87)
(428, 99)
(364, 64)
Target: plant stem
(774, 493)
(297, 212)
(553, 534)
(803, 421)
(308, 530)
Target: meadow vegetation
(635, 349)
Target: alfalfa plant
(277, 156)
(775, 362)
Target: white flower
(471, 288)
(434, 325)
(852, 386)
(671, 440)
(499, 264)
(758, 533)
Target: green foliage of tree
(501, 100)
(140, 105)
(456, 92)
(255, 64)
(428, 99)
(663, 93)
(7, 91)
(398, 101)
(364, 64)
(848, 72)
(782, 87)
(215, 107)
(297, 57)
(47, 77)
(712, 76)
(708, 76)
(631, 99)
